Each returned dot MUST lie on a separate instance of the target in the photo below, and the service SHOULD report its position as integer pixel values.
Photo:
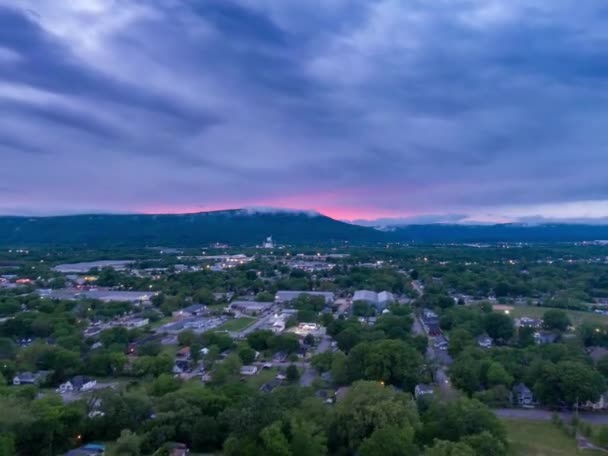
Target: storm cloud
(358, 109)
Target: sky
(444, 110)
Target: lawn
(157, 324)
(263, 376)
(576, 316)
(540, 438)
(237, 324)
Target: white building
(288, 296)
(249, 370)
(379, 300)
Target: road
(436, 358)
(416, 285)
(546, 415)
(309, 374)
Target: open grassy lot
(540, 438)
(238, 324)
(159, 323)
(263, 376)
(576, 317)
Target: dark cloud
(386, 108)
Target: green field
(263, 376)
(576, 316)
(540, 438)
(238, 324)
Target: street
(546, 415)
(309, 374)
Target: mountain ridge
(250, 226)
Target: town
(454, 326)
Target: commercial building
(378, 300)
(250, 307)
(288, 296)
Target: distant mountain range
(250, 227)
(235, 227)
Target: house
(82, 383)
(527, 322)
(65, 388)
(423, 390)
(29, 378)
(183, 353)
(600, 404)
(341, 393)
(279, 357)
(180, 366)
(270, 386)
(223, 296)
(177, 449)
(249, 370)
(25, 378)
(484, 341)
(193, 310)
(90, 449)
(281, 376)
(303, 329)
(523, 396)
(544, 337)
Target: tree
(307, 438)
(322, 361)
(525, 336)
(362, 309)
(389, 361)
(465, 373)
(445, 448)
(247, 354)
(186, 338)
(460, 418)
(555, 319)
(274, 440)
(7, 444)
(228, 369)
(348, 338)
(309, 339)
(264, 296)
(163, 384)
(152, 348)
(128, 444)
(195, 352)
(339, 372)
(389, 441)
(570, 382)
(369, 406)
(486, 444)
(601, 365)
(499, 326)
(292, 373)
(460, 338)
(497, 375)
